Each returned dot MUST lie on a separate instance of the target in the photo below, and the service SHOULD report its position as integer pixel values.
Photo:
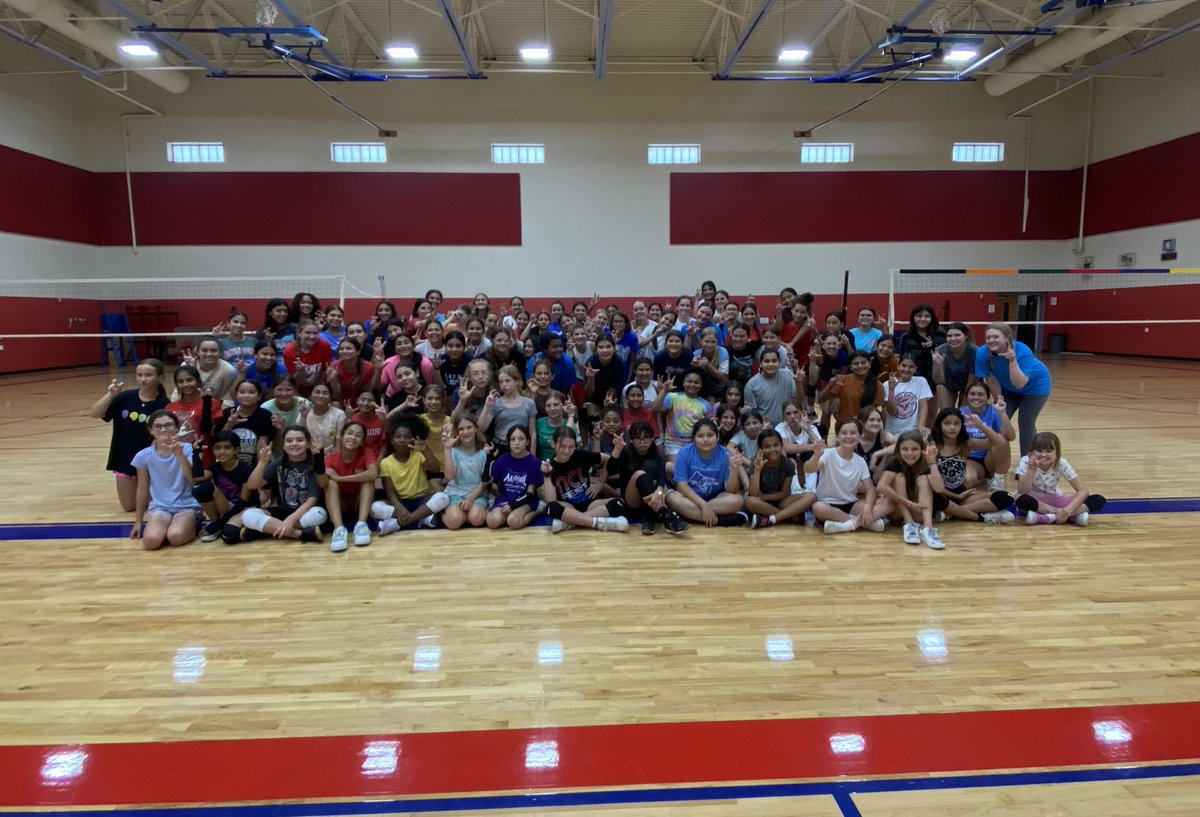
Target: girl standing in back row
(128, 411)
(1011, 369)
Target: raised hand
(815, 354)
(610, 398)
(264, 451)
(590, 372)
(242, 365)
(931, 453)
(447, 436)
(999, 403)
(490, 400)
(317, 447)
(973, 420)
(207, 389)
(277, 421)
(304, 415)
(670, 384)
(938, 359)
(818, 448)
(114, 388)
(221, 330)
(1010, 354)
(189, 357)
(546, 467)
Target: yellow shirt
(433, 446)
(408, 478)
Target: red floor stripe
(593, 756)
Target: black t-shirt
(570, 478)
(398, 398)
(249, 431)
(452, 373)
(230, 482)
(922, 350)
(630, 462)
(294, 483)
(741, 363)
(773, 480)
(666, 366)
(128, 412)
(515, 359)
(870, 452)
(610, 375)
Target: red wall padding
(48, 199)
(1155, 185)
(1180, 340)
(850, 206)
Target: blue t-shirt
(512, 477)
(991, 419)
(997, 366)
(865, 341)
(564, 372)
(266, 380)
(705, 476)
(170, 489)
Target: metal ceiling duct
(1074, 43)
(70, 20)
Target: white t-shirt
(650, 393)
(908, 403)
(1046, 482)
(797, 438)
(646, 349)
(841, 477)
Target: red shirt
(188, 413)
(312, 362)
(629, 417)
(375, 432)
(337, 464)
(354, 383)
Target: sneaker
(647, 526)
(1034, 518)
(996, 483)
(878, 526)
(810, 519)
(362, 535)
(931, 539)
(387, 526)
(558, 526)
(1080, 519)
(612, 524)
(939, 516)
(338, 543)
(733, 520)
(912, 535)
(310, 535)
(757, 521)
(211, 531)
(674, 523)
(998, 517)
(841, 527)
(429, 522)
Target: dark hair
(417, 305)
(268, 321)
(233, 313)
(845, 421)
(806, 298)
(294, 309)
(192, 370)
(642, 429)
(933, 319)
(416, 426)
(768, 434)
(938, 436)
(455, 335)
(753, 414)
(225, 437)
(354, 423)
(835, 313)
(206, 339)
(605, 339)
(563, 432)
(257, 386)
(514, 430)
(441, 295)
(287, 378)
(347, 339)
(154, 415)
(705, 423)
(911, 472)
(872, 381)
(983, 384)
(961, 327)
(673, 333)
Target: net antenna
(265, 12)
(382, 289)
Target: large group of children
(697, 411)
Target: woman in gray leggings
(1010, 368)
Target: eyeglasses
(162, 426)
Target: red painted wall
(1158, 303)
(49, 316)
(48, 199)
(849, 206)
(1155, 185)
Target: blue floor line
(840, 790)
(120, 530)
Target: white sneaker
(362, 534)
(912, 534)
(558, 526)
(931, 539)
(387, 526)
(1080, 519)
(841, 527)
(338, 543)
(810, 519)
(996, 483)
(998, 517)
(617, 524)
(429, 522)
(939, 516)
(878, 526)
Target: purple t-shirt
(513, 476)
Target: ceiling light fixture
(139, 49)
(535, 53)
(794, 55)
(961, 55)
(401, 52)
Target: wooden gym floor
(1020, 671)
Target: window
(978, 152)
(826, 152)
(674, 155)
(358, 152)
(196, 152)
(518, 154)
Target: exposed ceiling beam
(576, 9)
(603, 30)
(460, 40)
(351, 17)
(706, 40)
(764, 8)
(474, 23)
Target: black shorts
(844, 507)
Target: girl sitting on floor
(166, 512)
(1038, 476)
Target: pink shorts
(1054, 501)
(120, 475)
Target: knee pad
(382, 510)
(1001, 499)
(437, 502)
(1027, 503)
(940, 503)
(204, 491)
(231, 535)
(1095, 502)
(615, 507)
(255, 519)
(555, 510)
(645, 485)
(312, 518)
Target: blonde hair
(511, 372)
(480, 442)
(486, 365)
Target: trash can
(1057, 344)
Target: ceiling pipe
(1071, 45)
(179, 47)
(69, 19)
(1064, 15)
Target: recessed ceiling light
(793, 55)
(535, 52)
(961, 55)
(139, 49)
(402, 52)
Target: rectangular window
(978, 152)
(826, 152)
(673, 155)
(196, 152)
(358, 152)
(518, 154)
